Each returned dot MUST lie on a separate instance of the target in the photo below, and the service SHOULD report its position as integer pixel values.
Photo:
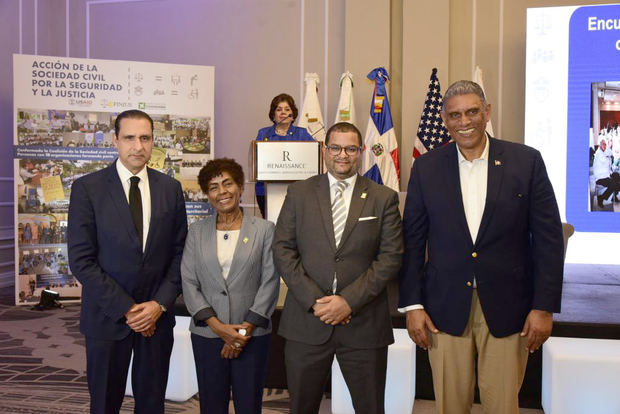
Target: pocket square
(367, 218)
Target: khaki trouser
(501, 367)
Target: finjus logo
(115, 104)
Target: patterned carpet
(43, 366)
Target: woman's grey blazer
(248, 294)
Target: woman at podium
(282, 112)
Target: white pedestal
(275, 193)
(581, 376)
(182, 382)
(400, 381)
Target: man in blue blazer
(487, 212)
(127, 228)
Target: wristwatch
(162, 307)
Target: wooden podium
(279, 163)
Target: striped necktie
(339, 216)
(339, 210)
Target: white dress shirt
(473, 177)
(226, 249)
(145, 193)
(601, 166)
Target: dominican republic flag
(432, 133)
(380, 153)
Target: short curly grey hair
(463, 87)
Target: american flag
(432, 133)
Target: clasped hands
(234, 342)
(332, 310)
(142, 317)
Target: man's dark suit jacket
(106, 255)
(517, 258)
(369, 255)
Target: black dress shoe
(600, 201)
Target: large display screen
(572, 116)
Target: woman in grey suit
(230, 287)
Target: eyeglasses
(337, 149)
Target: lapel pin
(498, 162)
(363, 195)
(245, 240)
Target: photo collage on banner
(64, 112)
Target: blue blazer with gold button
(517, 257)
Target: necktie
(135, 205)
(339, 216)
(339, 211)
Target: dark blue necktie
(135, 205)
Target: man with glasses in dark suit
(337, 244)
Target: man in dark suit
(337, 244)
(493, 277)
(127, 228)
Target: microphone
(290, 116)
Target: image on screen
(604, 149)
